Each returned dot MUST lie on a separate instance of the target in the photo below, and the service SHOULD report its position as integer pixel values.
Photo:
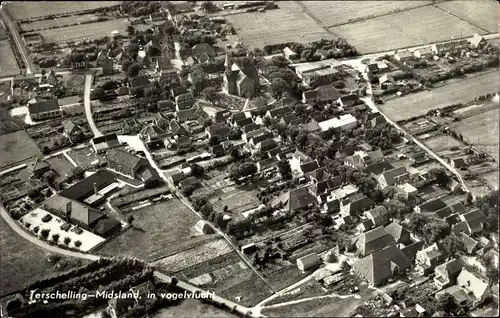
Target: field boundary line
(461, 19)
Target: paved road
(88, 105)
(30, 67)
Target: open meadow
(43, 24)
(8, 62)
(286, 24)
(156, 229)
(17, 147)
(419, 26)
(83, 31)
(31, 9)
(333, 13)
(480, 13)
(459, 92)
(482, 131)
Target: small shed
(249, 248)
(308, 262)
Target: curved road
(88, 106)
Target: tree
(284, 169)
(451, 245)
(44, 234)
(235, 154)
(78, 243)
(278, 85)
(197, 170)
(435, 230)
(397, 209)
(440, 175)
(219, 221)
(209, 93)
(446, 303)
(213, 141)
(130, 30)
(33, 193)
(49, 177)
(243, 170)
(206, 210)
(133, 70)
(78, 172)
(55, 237)
(208, 6)
(97, 93)
(67, 240)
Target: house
(363, 159)
(290, 119)
(419, 158)
(289, 54)
(240, 78)
(393, 177)
(266, 164)
(430, 206)
(139, 81)
(371, 69)
(188, 182)
(163, 64)
(458, 163)
(311, 126)
(376, 121)
(297, 199)
(130, 125)
(399, 233)
(243, 122)
(342, 122)
(379, 216)
(428, 258)
(412, 249)
(186, 115)
(403, 55)
(298, 159)
(473, 285)
(184, 101)
(278, 112)
(475, 220)
(122, 90)
(46, 109)
(249, 136)
(177, 177)
(317, 74)
(443, 48)
(445, 212)
(446, 274)
(320, 95)
(221, 131)
(104, 143)
(72, 131)
(348, 101)
(477, 41)
(322, 189)
(356, 204)
(176, 129)
(423, 53)
(152, 133)
(373, 241)
(372, 168)
(379, 267)
(265, 145)
(203, 51)
(183, 142)
(73, 211)
(39, 168)
(308, 262)
(125, 163)
(308, 166)
(385, 81)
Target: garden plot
(88, 239)
(85, 157)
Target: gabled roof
(451, 268)
(43, 106)
(445, 212)
(379, 215)
(432, 205)
(250, 127)
(139, 80)
(398, 232)
(104, 225)
(40, 165)
(219, 130)
(374, 240)
(279, 112)
(461, 227)
(349, 100)
(203, 48)
(79, 211)
(267, 144)
(319, 174)
(476, 39)
(471, 282)
(290, 119)
(309, 166)
(245, 121)
(123, 158)
(358, 202)
(391, 176)
(299, 198)
(378, 167)
(186, 114)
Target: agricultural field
(442, 142)
(333, 13)
(17, 147)
(482, 131)
(480, 13)
(55, 23)
(83, 31)
(22, 262)
(286, 24)
(460, 92)
(383, 34)
(8, 62)
(30, 9)
(156, 229)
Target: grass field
(8, 63)
(442, 142)
(332, 13)
(31, 9)
(482, 130)
(42, 24)
(156, 228)
(409, 28)
(80, 32)
(286, 24)
(480, 13)
(191, 308)
(16, 147)
(22, 262)
(61, 166)
(460, 92)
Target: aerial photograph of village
(249, 158)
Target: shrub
(78, 243)
(36, 229)
(44, 234)
(55, 237)
(67, 240)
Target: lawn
(81, 32)
(460, 92)
(286, 24)
(74, 83)
(332, 13)
(22, 262)
(237, 200)
(405, 29)
(30, 9)
(156, 228)
(17, 147)
(43, 24)
(442, 142)
(61, 166)
(8, 62)
(84, 157)
(191, 308)
(480, 13)
(482, 131)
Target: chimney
(96, 192)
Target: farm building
(308, 262)
(342, 122)
(104, 143)
(289, 54)
(424, 52)
(477, 41)
(373, 241)
(403, 55)
(44, 110)
(125, 163)
(323, 94)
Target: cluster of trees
(336, 48)
(382, 136)
(488, 204)
(242, 170)
(429, 226)
(264, 212)
(140, 8)
(281, 77)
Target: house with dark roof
(243, 122)
(40, 167)
(320, 95)
(376, 121)
(309, 166)
(412, 249)
(373, 241)
(430, 206)
(419, 158)
(458, 162)
(428, 258)
(184, 101)
(379, 216)
(475, 220)
(399, 233)
(177, 177)
(139, 81)
(378, 267)
(130, 126)
(73, 211)
(186, 115)
(290, 119)
(203, 52)
(477, 41)
(43, 110)
(377, 168)
(347, 101)
(311, 126)
(356, 204)
(447, 211)
(221, 131)
(104, 143)
(72, 131)
(125, 163)
(362, 159)
(279, 112)
(296, 199)
(392, 177)
(265, 145)
(446, 274)
(298, 159)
